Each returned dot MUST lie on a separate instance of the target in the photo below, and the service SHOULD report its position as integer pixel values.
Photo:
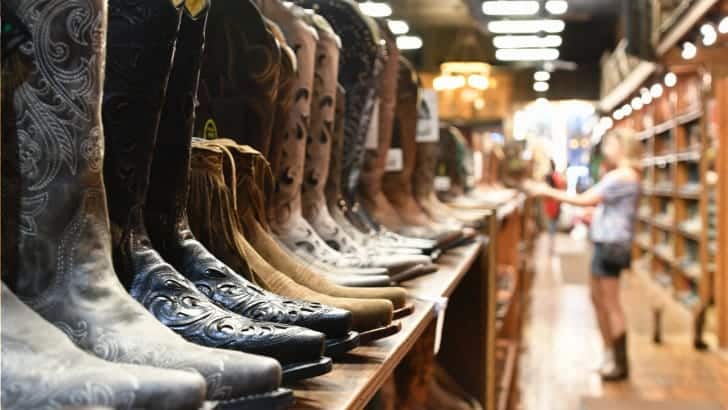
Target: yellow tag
(209, 131)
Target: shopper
(616, 197)
(552, 207)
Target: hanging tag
(442, 184)
(428, 123)
(395, 160)
(372, 141)
(440, 309)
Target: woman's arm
(588, 198)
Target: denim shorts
(601, 266)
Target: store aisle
(562, 346)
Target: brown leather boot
(233, 195)
(397, 184)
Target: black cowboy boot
(42, 368)
(166, 209)
(60, 263)
(136, 79)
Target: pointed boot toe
(169, 389)
(334, 323)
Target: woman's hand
(535, 189)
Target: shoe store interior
(364, 204)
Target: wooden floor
(562, 347)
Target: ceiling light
(448, 82)
(710, 36)
(627, 110)
(526, 54)
(557, 6)
(689, 51)
(636, 103)
(409, 42)
(510, 8)
(670, 79)
(479, 82)
(645, 96)
(723, 26)
(540, 86)
(398, 27)
(541, 75)
(527, 41)
(656, 91)
(618, 115)
(526, 26)
(375, 9)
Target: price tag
(395, 160)
(428, 123)
(372, 141)
(442, 184)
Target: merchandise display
(339, 204)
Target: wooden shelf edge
(360, 374)
(684, 25)
(628, 86)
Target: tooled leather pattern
(170, 297)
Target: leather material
(55, 202)
(42, 368)
(370, 188)
(166, 207)
(215, 218)
(241, 76)
(136, 79)
(286, 216)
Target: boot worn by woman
(136, 80)
(166, 211)
(620, 369)
(61, 262)
(42, 368)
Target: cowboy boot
(42, 368)
(286, 219)
(224, 176)
(397, 185)
(61, 262)
(166, 209)
(318, 153)
(136, 79)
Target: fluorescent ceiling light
(670, 79)
(656, 91)
(479, 82)
(540, 86)
(375, 9)
(689, 51)
(398, 27)
(409, 42)
(527, 54)
(527, 41)
(526, 26)
(626, 110)
(510, 8)
(637, 103)
(646, 96)
(541, 75)
(723, 25)
(557, 6)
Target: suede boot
(61, 262)
(136, 79)
(620, 370)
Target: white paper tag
(442, 184)
(478, 165)
(372, 141)
(428, 123)
(395, 160)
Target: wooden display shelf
(506, 356)
(358, 375)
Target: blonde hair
(630, 144)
